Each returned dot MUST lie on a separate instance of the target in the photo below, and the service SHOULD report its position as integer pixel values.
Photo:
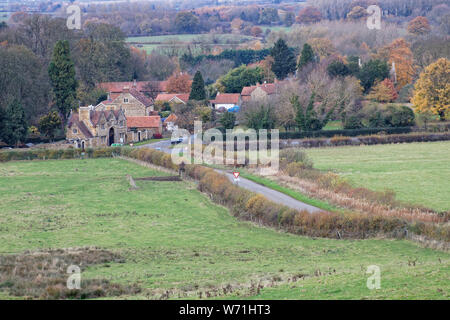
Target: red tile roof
(144, 122)
(171, 118)
(227, 98)
(169, 96)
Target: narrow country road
(270, 194)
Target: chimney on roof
(134, 83)
(84, 113)
(109, 96)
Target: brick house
(92, 128)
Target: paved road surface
(270, 194)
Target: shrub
(295, 155)
(353, 122)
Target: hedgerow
(338, 140)
(254, 207)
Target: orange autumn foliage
(179, 83)
(400, 53)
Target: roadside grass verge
(291, 193)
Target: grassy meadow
(419, 173)
(150, 43)
(173, 237)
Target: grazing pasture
(419, 173)
(171, 241)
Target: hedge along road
(273, 195)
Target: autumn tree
(419, 26)
(432, 89)
(159, 66)
(186, 22)
(309, 15)
(256, 31)
(179, 83)
(322, 47)
(236, 24)
(283, 59)
(383, 92)
(399, 52)
(266, 66)
(357, 13)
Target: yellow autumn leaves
(432, 89)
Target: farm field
(150, 43)
(419, 173)
(171, 236)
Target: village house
(91, 128)
(260, 91)
(226, 100)
(170, 122)
(143, 128)
(133, 102)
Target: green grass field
(173, 236)
(333, 125)
(419, 173)
(150, 43)
(222, 38)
